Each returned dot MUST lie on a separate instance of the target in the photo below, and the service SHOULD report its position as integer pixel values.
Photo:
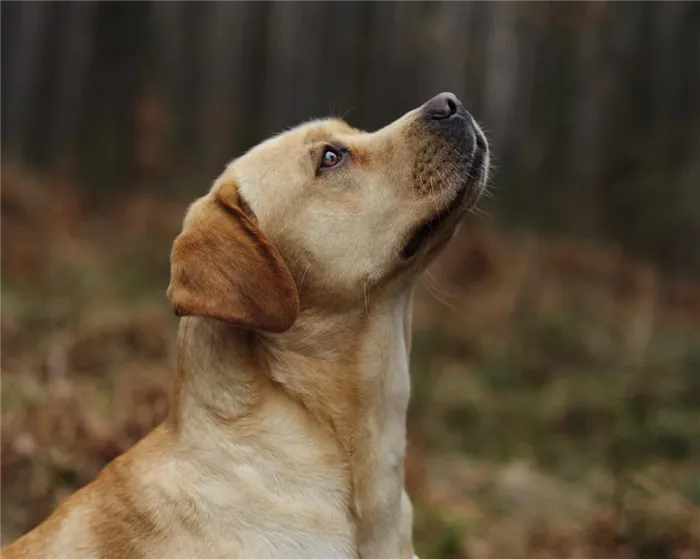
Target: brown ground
(556, 407)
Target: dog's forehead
(321, 130)
(306, 134)
(291, 146)
(287, 153)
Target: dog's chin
(427, 230)
(474, 175)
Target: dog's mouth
(472, 186)
(429, 228)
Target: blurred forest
(592, 108)
(556, 368)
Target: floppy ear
(223, 267)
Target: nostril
(442, 106)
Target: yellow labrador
(293, 276)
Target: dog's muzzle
(456, 161)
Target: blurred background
(556, 362)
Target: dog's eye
(332, 157)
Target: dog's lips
(430, 227)
(472, 187)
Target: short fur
(286, 434)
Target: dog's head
(322, 213)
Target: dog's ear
(222, 266)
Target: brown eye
(331, 158)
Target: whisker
(438, 286)
(462, 240)
(477, 211)
(347, 112)
(432, 195)
(445, 185)
(303, 277)
(438, 299)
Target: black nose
(443, 106)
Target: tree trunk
(295, 65)
(500, 85)
(25, 74)
(446, 44)
(73, 72)
(586, 149)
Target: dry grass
(556, 384)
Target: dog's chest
(271, 493)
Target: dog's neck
(349, 371)
(342, 367)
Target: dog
(293, 279)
